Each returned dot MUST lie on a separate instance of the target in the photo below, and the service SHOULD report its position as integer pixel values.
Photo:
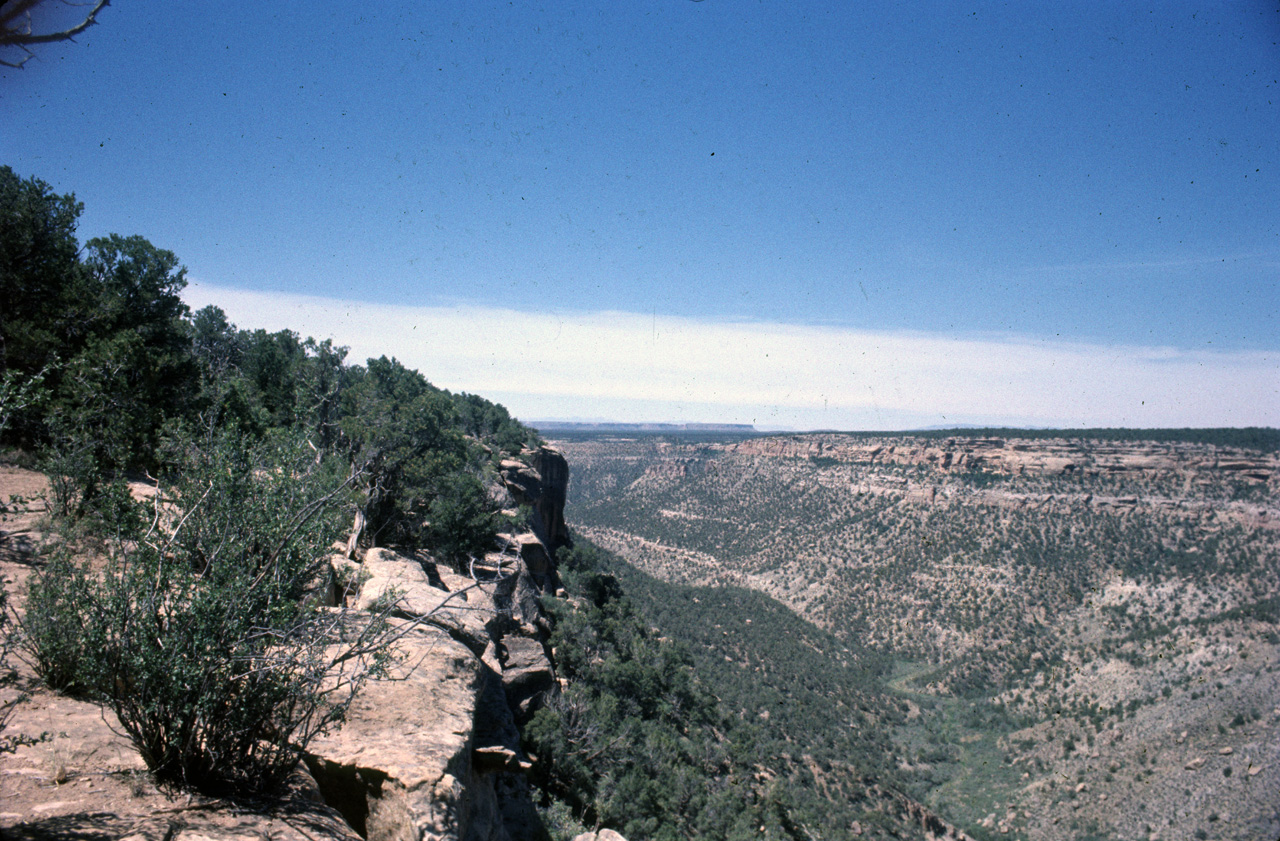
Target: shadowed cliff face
(541, 480)
(554, 468)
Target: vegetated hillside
(748, 721)
(1085, 629)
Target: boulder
(527, 673)
(388, 576)
(403, 586)
(601, 835)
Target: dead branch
(16, 30)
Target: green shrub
(63, 641)
(201, 640)
(461, 519)
(73, 473)
(8, 676)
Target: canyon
(957, 637)
(1085, 629)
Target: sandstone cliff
(434, 751)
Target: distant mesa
(610, 426)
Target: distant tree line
(1261, 438)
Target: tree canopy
(102, 363)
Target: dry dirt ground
(82, 779)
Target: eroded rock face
(433, 752)
(541, 482)
(1050, 456)
(396, 768)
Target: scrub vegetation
(1059, 634)
(199, 475)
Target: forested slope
(1053, 606)
(719, 709)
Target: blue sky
(977, 198)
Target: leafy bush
(59, 635)
(73, 473)
(202, 640)
(8, 675)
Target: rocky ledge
(430, 752)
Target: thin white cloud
(628, 366)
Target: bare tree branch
(16, 29)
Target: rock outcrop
(430, 753)
(81, 778)
(415, 759)
(433, 751)
(541, 481)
